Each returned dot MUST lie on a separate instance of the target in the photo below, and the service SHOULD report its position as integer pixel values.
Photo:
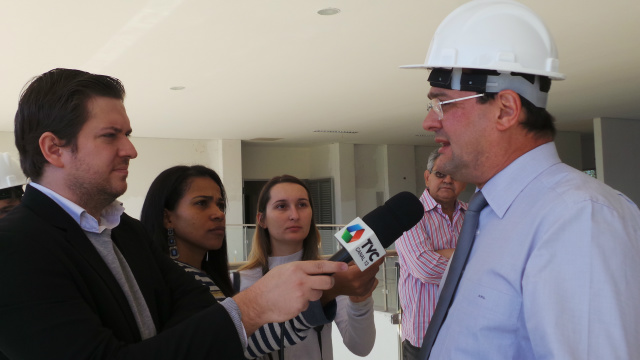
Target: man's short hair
(56, 102)
(432, 160)
(538, 120)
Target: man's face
(98, 169)
(464, 133)
(443, 188)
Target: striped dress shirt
(421, 268)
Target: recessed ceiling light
(336, 131)
(177, 88)
(328, 11)
(265, 139)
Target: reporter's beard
(98, 196)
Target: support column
(230, 170)
(616, 147)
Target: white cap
(500, 35)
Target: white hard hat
(10, 173)
(500, 35)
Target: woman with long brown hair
(285, 232)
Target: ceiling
(277, 69)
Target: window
(323, 213)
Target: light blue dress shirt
(554, 270)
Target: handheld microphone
(365, 240)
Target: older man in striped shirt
(424, 252)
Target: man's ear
(510, 109)
(426, 177)
(50, 146)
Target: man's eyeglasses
(436, 104)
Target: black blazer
(59, 300)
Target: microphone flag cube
(361, 243)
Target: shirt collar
(109, 217)
(503, 188)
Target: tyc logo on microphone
(361, 243)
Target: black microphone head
(398, 214)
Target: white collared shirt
(109, 217)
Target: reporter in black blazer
(70, 306)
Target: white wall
(382, 171)
(370, 176)
(320, 162)
(230, 171)
(401, 168)
(342, 162)
(262, 162)
(7, 144)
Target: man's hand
(285, 291)
(354, 282)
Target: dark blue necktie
(458, 263)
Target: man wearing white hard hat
(11, 181)
(550, 269)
